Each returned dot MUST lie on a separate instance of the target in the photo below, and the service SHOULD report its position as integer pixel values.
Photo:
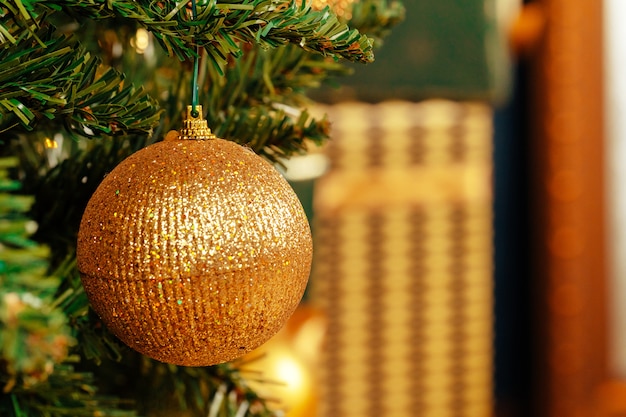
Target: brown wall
(569, 241)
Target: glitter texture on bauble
(194, 251)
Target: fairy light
(54, 149)
(141, 41)
(51, 143)
(342, 8)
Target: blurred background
(469, 219)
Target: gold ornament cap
(195, 128)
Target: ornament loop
(195, 128)
(195, 112)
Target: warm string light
(51, 143)
(54, 149)
(342, 8)
(141, 41)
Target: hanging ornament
(194, 250)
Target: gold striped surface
(403, 261)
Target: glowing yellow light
(342, 8)
(290, 373)
(284, 367)
(142, 40)
(51, 143)
(287, 380)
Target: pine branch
(376, 18)
(257, 103)
(94, 341)
(220, 27)
(66, 393)
(55, 78)
(284, 75)
(269, 131)
(218, 391)
(34, 335)
(61, 191)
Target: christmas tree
(85, 84)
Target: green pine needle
(63, 81)
(219, 25)
(376, 18)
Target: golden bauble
(194, 252)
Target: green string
(194, 81)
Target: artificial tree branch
(62, 81)
(220, 27)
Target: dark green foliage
(71, 108)
(55, 78)
(222, 26)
